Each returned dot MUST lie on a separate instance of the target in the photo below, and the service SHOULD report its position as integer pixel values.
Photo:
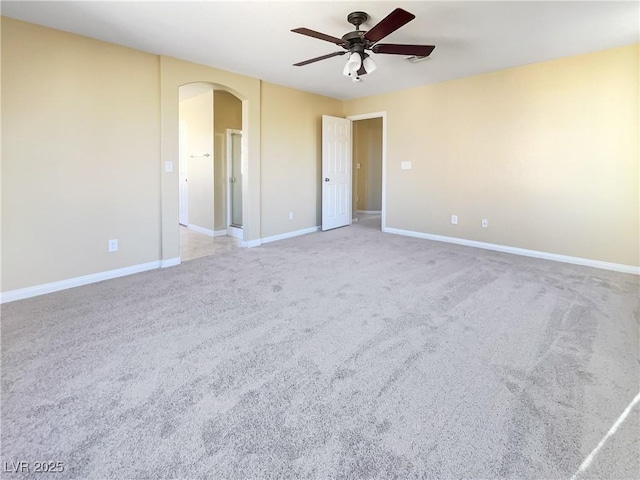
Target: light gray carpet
(343, 354)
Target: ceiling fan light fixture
(353, 65)
(368, 64)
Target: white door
(336, 172)
(183, 217)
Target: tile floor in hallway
(196, 245)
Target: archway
(175, 73)
(209, 170)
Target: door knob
(326, 179)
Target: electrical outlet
(290, 215)
(485, 223)
(113, 245)
(454, 219)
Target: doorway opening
(339, 183)
(368, 161)
(205, 114)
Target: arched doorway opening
(209, 170)
(175, 73)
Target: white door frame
(383, 115)
(233, 231)
(183, 174)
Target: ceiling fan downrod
(357, 19)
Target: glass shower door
(235, 180)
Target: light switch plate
(168, 167)
(405, 165)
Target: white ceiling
(254, 38)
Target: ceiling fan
(357, 42)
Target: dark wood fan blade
(321, 36)
(317, 59)
(397, 49)
(389, 24)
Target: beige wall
(227, 114)
(197, 113)
(367, 153)
(548, 153)
(80, 150)
(292, 157)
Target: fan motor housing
(357, 36)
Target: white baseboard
(616, 267)
(234, 232)
(29, 292)
(120, 272)
(250, 243)
(275, 238)
(282, 236)
(170, 262)
(370, 212)
(219, 233)
(199, 229)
